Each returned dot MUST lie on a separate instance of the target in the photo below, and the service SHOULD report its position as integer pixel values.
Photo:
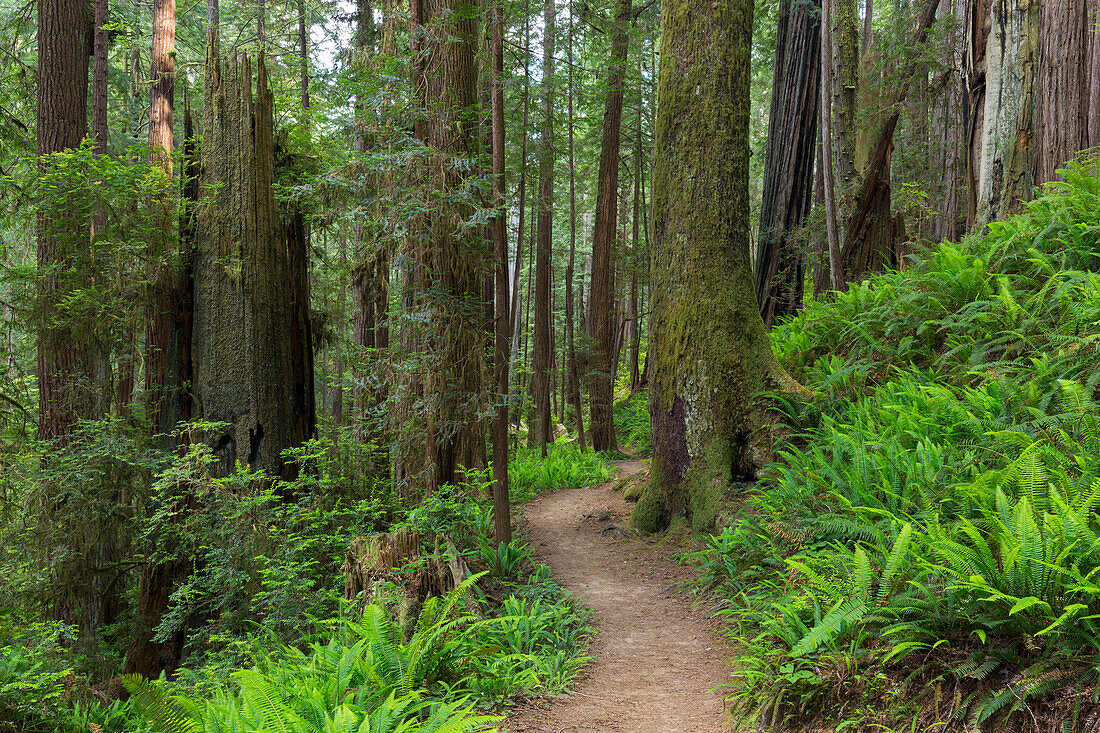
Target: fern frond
(152, 701)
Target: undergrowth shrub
(925, 551)
(565, 467)
(364, 676)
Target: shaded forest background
(275, 276)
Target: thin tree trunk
(542, 360)
(502, 521)
(633, 332)
(573, 377)
(160, 384)
(827, 83)
(522, 186)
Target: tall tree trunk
(573, 375)
(871, 229)
(1066, 113)
(522, 186)
(826, 154)
(502, 520)
(371, 274)
(161, 384)
(84, 592)
(633, 329)
(600, 327)
(710, 353)
(452, 257)
(1004, 37)
(542, 358)
(100, 44)
(789, 159)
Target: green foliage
(33, 673)
(565, 467)
(506, 560)
(632, 424)
(362, 675)
(459, 512)
(932, 513)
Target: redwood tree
(543, 356)
(450, 254)
(709, 351)
(789, 158)
(600, 328)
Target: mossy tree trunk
(252, 345)
(709, 351)
(84, 560)
(160, 579)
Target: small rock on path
(656, 662)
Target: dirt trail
(655, 661)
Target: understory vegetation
(272, 643)
(924, 553)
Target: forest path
(656, 661)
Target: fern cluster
(931, 518)
(365, 677)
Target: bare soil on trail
(656, 661)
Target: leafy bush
(565, 467)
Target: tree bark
(1066, 114)
(161, 384)
(828, 168)
(1004, 38)
(84, 592)
(502, 520)
(600, 328)
(709, 353)
(452, 255)
(542, 358)
(571, 367)
(253, 355)
(789, 159)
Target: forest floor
(656, 661)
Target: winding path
(656, 662)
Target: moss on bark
(709, 352)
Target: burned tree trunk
(252, 346)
